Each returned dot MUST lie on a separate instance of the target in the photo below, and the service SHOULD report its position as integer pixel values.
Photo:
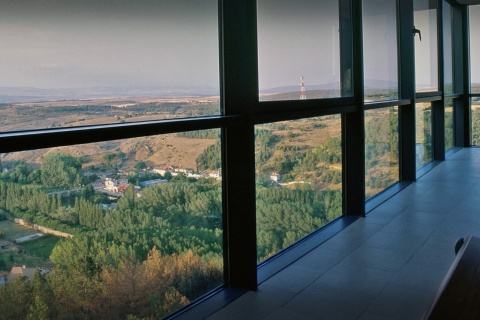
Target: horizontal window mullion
(432, 94)
(428, 99)
(386, 104)
(295, 105)
(299, 114)
(453, 96)
(36, 139)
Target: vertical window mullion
(353, 124)
(239, 71)
(407, 90)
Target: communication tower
(303, 93)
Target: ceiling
(468, 1)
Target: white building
(112, 184)
(275, 177)
(161, 171)
(216, 174)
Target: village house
(121, 188)
(275, 177)
(161, 170)
(184, 170)
(22, 271)
(112, 184)
(216, 174)
(194, 175)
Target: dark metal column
(239, 77)
(438, 108)
(353, 124)
(465, 105)
(407, 90)
(458, 77)
(438, 121)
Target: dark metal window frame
(241, 111)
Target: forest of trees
(314, 198)
(381, 150)
(155, 252)
(424, 141)
(475, 122)
(116, 254)
(106, 268)
(449, 125)
(210, 158)
(148, 257)
(285, 216)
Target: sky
(447, 43)
(302, 38)
(475, 43)
(426, 62)
(90, 43)
(380, 43)
(95, 43)
(298, 38)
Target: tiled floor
(385, 266)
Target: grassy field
(14, 231)
(11, 258)
(41, 247)
(33, 253)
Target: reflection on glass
(76, 63)
(447, 48)
(381, 150)
(474, 30)
(426, 59)
(136, 226)
(423, 132)
(449, 125)
(380, 50)
(475, 135)
(299, 180)
(299, 49)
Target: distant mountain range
(284, 89)
(369, 84)
(31, 94)
(380, 84)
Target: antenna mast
(303, 93)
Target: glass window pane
(474, 19)
(447, 48)
(299, 49)
(426, 58)
(75, 63)
(424, 142)
(299, 180)
(475, 121)
(381, 150)
(449, 124)
(380, 50)
(146, 220)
